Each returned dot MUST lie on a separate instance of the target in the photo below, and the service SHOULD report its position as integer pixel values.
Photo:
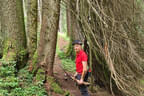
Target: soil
(68, 85)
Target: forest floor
(69, 85)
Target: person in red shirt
(82, 72)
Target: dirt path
(65, 84)
(69, 84)
(59, 73)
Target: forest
(36, 49)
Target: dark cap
(76, 42)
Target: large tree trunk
(14, 29)
(48, 35)
(32, 29)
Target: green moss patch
(54, 86)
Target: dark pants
(83, 88)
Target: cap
(77, 42)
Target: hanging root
(114, 31)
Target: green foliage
(67, 93)
(8, 81)
(20, 84)
(40, 76)
(22, 53)
(31, 90)
(70, 51)
(34, 61)
(35, 58)
(57, 88)
(67, 63)
(64, 36)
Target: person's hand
(73, 77)
(75, 74)
(80, 82)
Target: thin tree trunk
(14, 29)
(48, 35)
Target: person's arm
(84, 63)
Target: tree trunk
(73, 28)
(72, 22)
(48, 34)
(14, 29)
(32, 29)
(1, 33)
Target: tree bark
(1, 33)
(14, 29)
(32, 29)
(72, 22)
(48, 34)
(73, 28)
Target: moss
(40, 76)
(35, 58)
(57, 88)
(34, 61)
(8, 51)
(67, 93)
(142, 82)
(21, 54)
(67, 63)
(70, 51)
(5, 50)
(54, 86)
(11, 53)
(10, 57)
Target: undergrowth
(67, 63)
(13, 83)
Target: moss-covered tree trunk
(73, 28)
(32, 29)
(14, 30)
(72, 22)
(1, 33)
(48, 34)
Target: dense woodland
(112, 32)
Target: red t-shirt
(81, 56)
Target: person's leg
(83, 88)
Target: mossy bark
(1, 33)
(48, 34)
(73, 28)
(70, 51)
(14, 31)
(32, 29)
